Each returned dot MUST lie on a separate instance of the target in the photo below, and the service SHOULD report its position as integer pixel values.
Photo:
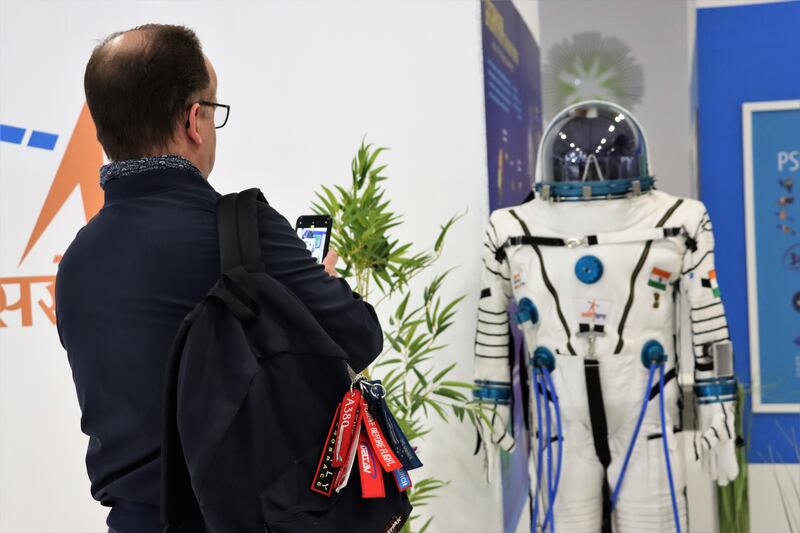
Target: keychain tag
(358, 432)
(402, 479)
(326, 473)
(371, 473)
(385, 454)
(391, 429)
(347, 468)
(348, 421)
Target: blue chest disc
(589, 269)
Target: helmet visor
(595, 141)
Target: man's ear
(192, 130)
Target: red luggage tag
(327, 474)
(350, 457)
(385, 454)
(348, 422)
(370, 470)
(402, 479)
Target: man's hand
(330, 263)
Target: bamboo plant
(732, 506)
(381, 267)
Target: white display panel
(771, 153)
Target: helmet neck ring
(572, 191)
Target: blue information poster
(512, 94)
(772, 207)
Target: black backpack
(251, 385)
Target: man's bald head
(138, 85)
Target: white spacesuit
(598, 265)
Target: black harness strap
(534, 240)
(525, 383)
(669, 376)
(635, 274)
(547, 283)
(597, 417)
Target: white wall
(656, 34)
(306, 80)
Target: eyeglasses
(221, 112)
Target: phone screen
(314, 231)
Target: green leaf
(401, 309)
(450, 393)
(392, 361)
(462, 384)
(443, 372)
(374, 156)
(436, 407)
(437, 247)
(425, 525)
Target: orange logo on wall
(78, 169)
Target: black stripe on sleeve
(493, 334)
(708, 319)
(698, 262)
(492, 345)
(485, 293)
(491, 225)
(493, 323)
(698, 333)
(707, 306)
(699, 344)
(700, 224)
(496, 273)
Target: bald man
(151, 254)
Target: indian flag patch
(659, 278)
(711, 283)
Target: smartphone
(315, 232)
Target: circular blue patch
(653, 353)
(589, 269)
(527, 311)
(544, 358)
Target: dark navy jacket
(124, 285)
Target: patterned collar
(132, 167)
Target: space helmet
(593, 150)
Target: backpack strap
(237, 227)
(240, 255)
(239, 252)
